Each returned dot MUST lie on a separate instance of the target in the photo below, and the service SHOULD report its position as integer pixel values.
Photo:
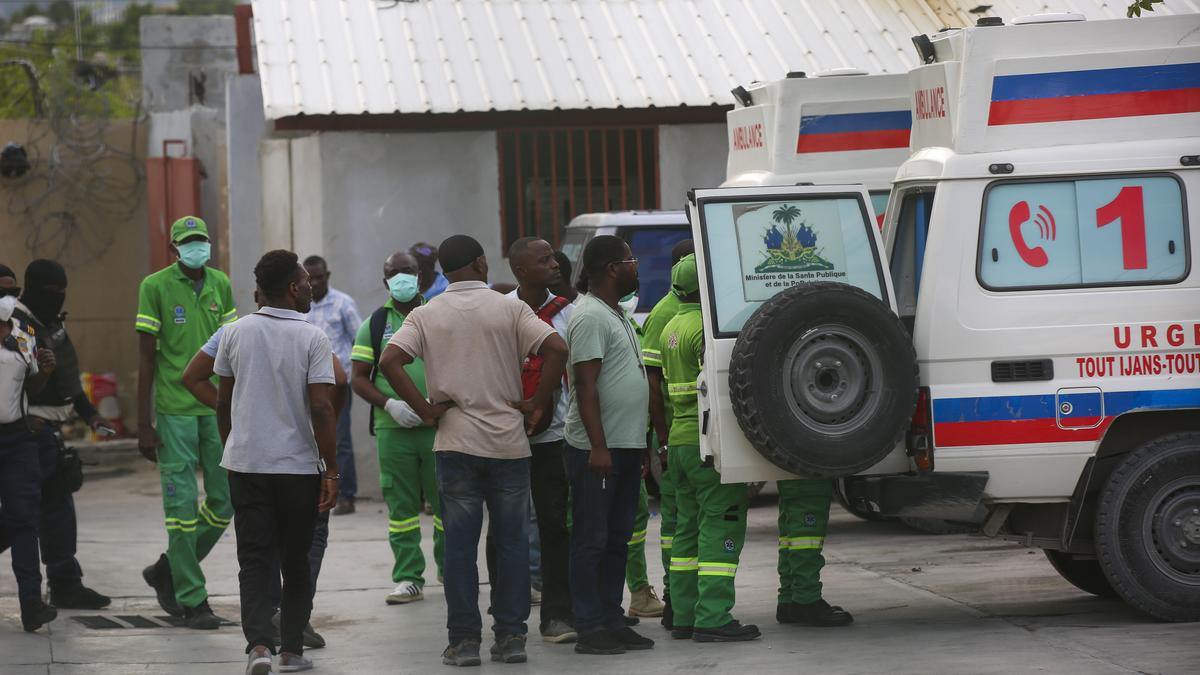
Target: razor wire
(79, 185)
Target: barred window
(548, 176)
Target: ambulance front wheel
(823, 380)
(1147, 528)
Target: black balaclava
(45, 304)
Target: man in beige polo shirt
(473, 341)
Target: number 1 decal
(1128, 206)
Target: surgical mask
(403, 287)
(194, 253)
(7, 304)
(629, 303)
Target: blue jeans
(465, 484)
(348, 486)
(602, 516)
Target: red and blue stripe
(1010, 420)
(1095, 94)
(843, 132)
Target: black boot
(35, 614)
(78, 596)
(733, 631)
(158, 577)
(819, 613)
(201, 617)
(668, 613)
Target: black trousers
(274, 516)
(57, 530)
(20, 494)
(548, 483)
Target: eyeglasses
(14, 291)
(627, 261)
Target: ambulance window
(652, 247)
(1086, 232)
(879, 201)
(572, 246)
(908, 250)
(757, 248)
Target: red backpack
(531, 369)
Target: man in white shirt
(535, 268)
(279, 430)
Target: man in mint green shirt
(606, 440)
(179, 308)
(405, 446)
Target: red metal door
(173, 187)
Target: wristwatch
(336, 476)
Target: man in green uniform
(660, 420)
(803, 517)
(179, 307)
(405, 446)
(710, 523)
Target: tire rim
(1171, 530)
(831, 377)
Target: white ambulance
(1027, 335)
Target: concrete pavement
(923, 604)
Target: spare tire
(823, 380)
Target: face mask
(46, 305)
(629, 303)
(194, 253)
(7, 304)
(403, 287)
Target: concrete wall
(689, 156)
(184, 68)
(105, 259)
(245, 128)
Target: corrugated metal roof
(446, 56)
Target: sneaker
(631, 640)
(558, 632)
(644, 602)
(78, 597)
(733, 631)
(259, 661)
(35, 614)
(535, 596)
(681, 633)
(404, 593)
(158, 577)
(293, 663)
(602, 643)
(344, 507)
(818, 613)
(201, 617)
(510, 649)
(631, 620)
(462, 653)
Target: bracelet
(336, 476)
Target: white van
(1039, 258)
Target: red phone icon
(1033, 256)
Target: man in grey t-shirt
(277, 374)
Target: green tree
(1135, 8)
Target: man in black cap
(473, 341)
(40, 309)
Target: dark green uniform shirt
(682, 346)
(182, 318)
(364, 352)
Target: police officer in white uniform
(22, 368)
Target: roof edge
(500, 119)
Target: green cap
(684, 279)
(188, 226)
